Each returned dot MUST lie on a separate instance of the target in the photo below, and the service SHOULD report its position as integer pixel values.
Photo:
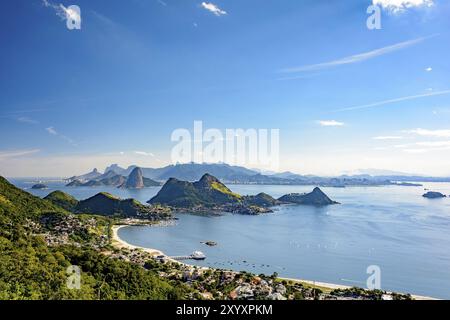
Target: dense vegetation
(62, 200)
(207, 192)
(29, 269)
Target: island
(316, 198)
(206, 195)
(136, 180)
(434, 195)
(211, 195)
(39, 186)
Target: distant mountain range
(117, 176)
(188, 172)
(135, 180)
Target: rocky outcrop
(316, 198)
(136, 180)
(433, 195)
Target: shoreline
(121, 244)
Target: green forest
(29, 269)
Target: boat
(198, 255)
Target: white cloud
(430, 133)
(63, 12)
(330, 123)
(387, 138)
(16, 153)
(415, 150)
(434, 144)
(52, 131)
(27, 120)
(356, 58)
(425, 146)
(67, 165)
(213, 8)
(401, 5)
(429, 69)
(143, 153)
(384, 102)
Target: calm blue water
(393, 227)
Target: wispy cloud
(429, 69)
(388, 138)
(213, 8)
(356, 58)
(430, 133)
(143, 153)
(53, 132)
(401, 99)
(147, 154)
(330, 123)
(162, 3)
(397, 6)
(16, 153)
(428, 146)
(27, 120)
(434, 144)
(299, 77)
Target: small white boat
(198, 255)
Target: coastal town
(211, 284)
(101, 234)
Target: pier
(196, 255)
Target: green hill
(261, 200)
(62, 200)
(16, 203)
(30, 269)
(207, 192)
(106, 204)
(315, 198)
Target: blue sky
(344, 97)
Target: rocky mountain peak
(135, 179)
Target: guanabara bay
(218, 158)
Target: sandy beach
(119, 243)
